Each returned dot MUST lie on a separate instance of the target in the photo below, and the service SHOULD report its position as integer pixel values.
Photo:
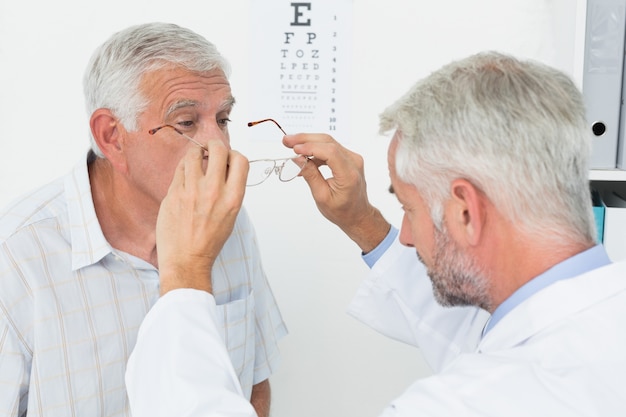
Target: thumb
(316, 181)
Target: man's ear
(466, 212)
(109, 135)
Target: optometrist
(494, 274)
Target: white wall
(332, 365)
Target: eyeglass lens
(287, 169)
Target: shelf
(607, 175)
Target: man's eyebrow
(179, 105)
(228, 103)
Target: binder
(602, 77)
(614, 225)
(621, 140)
(598, 214)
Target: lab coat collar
(554, 303)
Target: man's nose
(214, 131)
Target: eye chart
(300, 65)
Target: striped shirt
(71, 306)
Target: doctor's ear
(466, 212)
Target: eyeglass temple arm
(189, 138)
(250, 124)
(156, 129)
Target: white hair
(114, 73)
(515, 129)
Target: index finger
(218, 159)
(324, 149)
(238, 166)
(189, 165)
(302, 141)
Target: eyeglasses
(260, 169)
(286, 168)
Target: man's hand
(198, 214)
(342, 198)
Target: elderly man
(79, 260)
(499, 282)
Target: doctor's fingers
(337, 196)
(326, 151)
(310, 144)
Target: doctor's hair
(113, 75)
(515, 129)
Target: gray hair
(115, 70)
(515, 129)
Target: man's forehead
(169, 80)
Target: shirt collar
(88, 242)
(585, 261)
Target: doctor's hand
(342, 198)
(198, 214)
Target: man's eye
(186, 125)
(223, 122)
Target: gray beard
(456, 278)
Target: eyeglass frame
(250, 124)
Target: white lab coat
(180, 366)
(396, 299)
(562, 352)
